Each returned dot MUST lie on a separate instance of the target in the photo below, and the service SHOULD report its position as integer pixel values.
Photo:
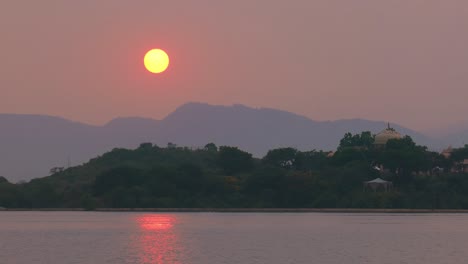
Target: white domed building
(381, 139)
(447, 153)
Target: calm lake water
(93, 237)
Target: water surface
(94, 237)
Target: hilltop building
(385, 135)
(447, 153)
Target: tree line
(228, 177)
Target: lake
(107, 237)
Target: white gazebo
(377, 184)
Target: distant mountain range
(32, 144)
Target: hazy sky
(401, 61)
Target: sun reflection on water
(156, 222)
(158, 240)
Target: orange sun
(156, 60)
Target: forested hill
(226, 177)
(31, 145)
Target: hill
(32, 144)
(227, 177)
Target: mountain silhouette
(32, 144)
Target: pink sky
(400, 61)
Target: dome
(447, 152)
(387, 134)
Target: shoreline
(242, 210)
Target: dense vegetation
(151, 176)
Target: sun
(156, 61)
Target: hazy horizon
(399, 61)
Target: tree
(365, 139)
(210, 147)
(145, 146)
(459, 154)
(404, 155)
(123, 177)
(171, 145)
(311, 160)
(88, 202)
(281, 157)
(233, 160)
